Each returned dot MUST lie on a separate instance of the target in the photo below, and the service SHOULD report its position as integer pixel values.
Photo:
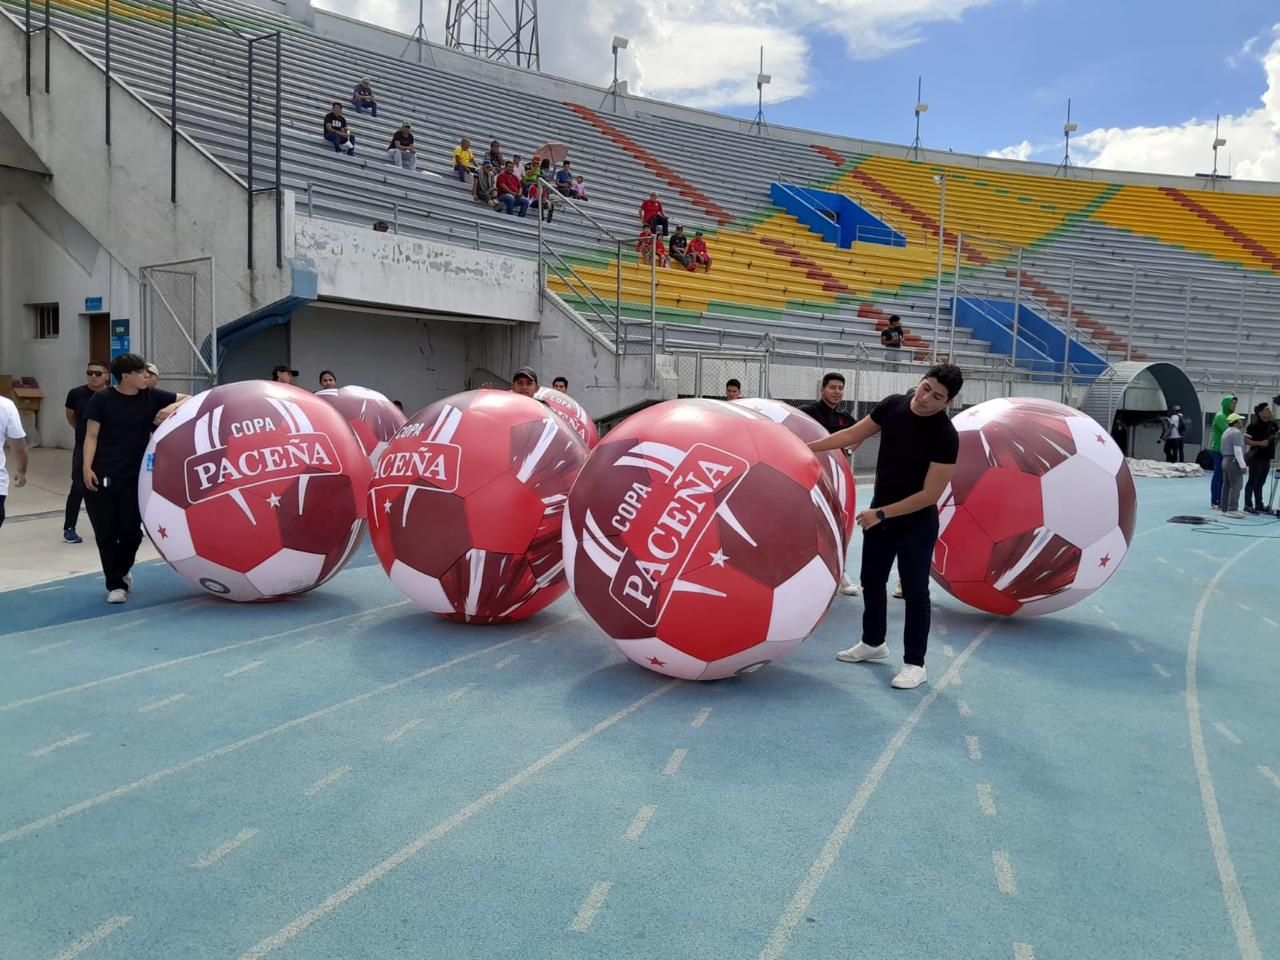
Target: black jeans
(117, 526)
(74, 496)
(1258, 470)
(910, 540)
(1173, 450)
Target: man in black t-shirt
(336, 132)
(918, 449)
(827, 412)
(891, 338)
(1260, 451)
(77, 406)
(120, 420)
(401, 151)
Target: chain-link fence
(179, 327)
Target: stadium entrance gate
(178, 325)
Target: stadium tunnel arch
(1106, 396)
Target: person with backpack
(1175, 430)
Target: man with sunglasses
(77, 405)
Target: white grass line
(1004, 872)
(830, 852)
(1023, 951)
(964, 708)
(251, 665)
(125, 626)
(54, 646)
(948, 650)
(209, 859)
(328, 780)
(1137, 647)
(1226, 734)
(1161, 670)
(89, 939)
(985, 800)
(590, 907)
(1232, 894)
(673, 762)
(400, 731)
(128, 788)
(1270, 775)
(291, 930)
(457, 694)
(701, 717)
(60, 744)
(973, 746)
(506, 661)
(640, 822)
(188, 659)
(157, 704)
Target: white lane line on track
(94, 937)
(457, 694)
(157, 704)
(830, 852)
(1226, 734)
(328, 780)
(1023, 951)
(291, 930)
(213, 856)
(59, 745)
(972, 745)
(673, 762)
(1137, 647)
(129, 625)
(590, 907)
(1270, 775)
(701, 717)
(251, 665)
(88, 627)
(965, 709)
(1161, 670)
(1269, 622)
(400, 731)
(985, 800)
(1004, 872)
(506, 661)
(54, 646)
(640, 822)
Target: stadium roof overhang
(1106, 396)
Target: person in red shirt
(651, 214)
(510, 194)
(698, 254)
(649, 244)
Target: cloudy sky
(1146, 77)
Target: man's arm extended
(850, 437)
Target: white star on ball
(386, 506)
(718, 558)
(273, 500)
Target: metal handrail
(577, 208)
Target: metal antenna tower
(508, 33)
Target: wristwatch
(880, 516)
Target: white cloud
(1253, 138)
(1244, 53)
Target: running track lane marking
(68, 741)
(249, 741)
(673, 762)
(1270, 775)
(1004, 872)
(251, 665)
(640, 822)
(457, 694)
(1227, 735)
(89, 939)
(590, 907)
(367, 879)
(948, 650)
(68, 624)
(1161, 670)
(701, 718)
(964, 708)
(195, 656)
(506, 661)
(1270, 622)
(1023, 951)
(973, 746)
(1232, 894)
(157, 704)
(328, 780)
(53, 646)
(985, 800)
(124, 626)
(209, 859)
(830, 852)
(400, 731)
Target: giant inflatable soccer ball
(574, 414)
(701, 538)
(834, 463)
(465, 506)
(1040, 511)
(254, 490)
(373, 418)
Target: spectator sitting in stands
(362, 96)
(698, 253)
(648, 244)
(381, 226)
(328, 381)
(517, 166)
(510, 194)
(464, 160)
(485, 187)
(579, 189)
(679, 252)
(564, 180)
(542, 196)
(336, 132)
(495, 154)
(651, 214)
(401, 151)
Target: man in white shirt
(1175, 431)
(12, 438)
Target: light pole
(619, 43)
(762, 79)
(921, 107)
(1217, 142)
(1068, 129)
(941, 181)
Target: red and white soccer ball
(701, 537)
(465, 506)
(834, 463)
(373, 418)
(1040, 512)
(254, 490)
(574, 414)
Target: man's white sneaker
(1233, 514)
(117, 596)
(860, 651)
(847, 587)
(128, 582)
(897, 590)
(909, 677)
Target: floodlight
(620, 43)
(762, 79)
(1070, 127)
(1220, 142)
(922, 108)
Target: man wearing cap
(485, 186)
(698, 254)
(1175, 430)
(1260, 452)
(524, 382)
(400, 151)
(281, 373)
(1233, 465)
(362, 96)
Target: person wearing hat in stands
(281, 373)
(400, 151)
(485, 186)
(698, 254)
(1175, 429)
(1233, 465)
(524, 382)
(1260, 452)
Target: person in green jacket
(1215, 448)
